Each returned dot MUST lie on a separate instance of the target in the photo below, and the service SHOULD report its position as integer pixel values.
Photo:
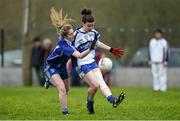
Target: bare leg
(93, 85)
(105, 89)
(99, 79)
(59, 84)
(66, 83)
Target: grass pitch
(39, 103)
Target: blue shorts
(88, 67)
(50, 71)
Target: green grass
(38, 103)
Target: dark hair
(87, 15)
(37, 39)
(158, 30)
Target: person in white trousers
(158, 59)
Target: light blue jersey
(82, 42)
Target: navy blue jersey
(74, 59)
(61, 53)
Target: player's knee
(94, 88)
(67, 91)
(61, 89)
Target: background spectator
(158, 51)
(37, 60)
(47, 45)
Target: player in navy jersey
(55, 65)
(83, 37)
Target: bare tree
(26, 44)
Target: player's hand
(93, 44)
(118, 52)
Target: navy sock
(111, 98)
(90, 103)
(64, 111)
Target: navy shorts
(50, 71)
(88, 67)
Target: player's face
(70, 35)
(37, 44)
(88, 26)
(157, 35)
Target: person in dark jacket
(37, 59)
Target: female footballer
(55, 65)
(83, 37)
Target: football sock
(90, 103)
(111, 98)
(65, 111)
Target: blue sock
(111, 98)
(64, 111)
(90, 103)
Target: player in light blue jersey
(55, 65)
(83, 37)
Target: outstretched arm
(77, 54)
(118, 52)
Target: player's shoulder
(60, 40)
(95, 31)
(79, 30)
(78, 33)
(163, 39)
(152, 40)
(63, 42)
